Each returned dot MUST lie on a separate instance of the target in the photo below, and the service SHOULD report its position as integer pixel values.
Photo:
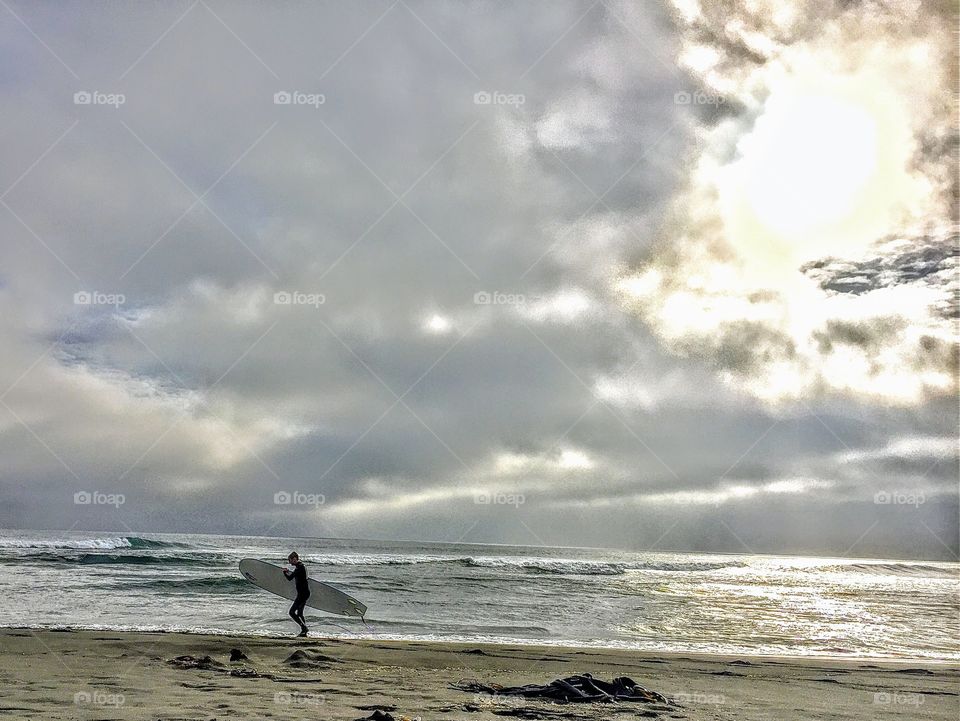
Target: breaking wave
(88, 559)
(564, 567)
(98, 544)
(898, 569)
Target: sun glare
(823, 171)
(809, 159)
(437, 325)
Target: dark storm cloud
(924, 258)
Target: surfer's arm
(287, 575)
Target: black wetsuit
(299, 576)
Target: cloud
(405, 300)
(820, 183)
(926, 260)
(566, 306)
(728, 492)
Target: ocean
(650, 601)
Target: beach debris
(582, 688)
(309, 659)
(381, 715)
(245, 673)
(378, 715)
(536, 714)
(204, 663)
(513, 706)
(237, 655)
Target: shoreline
(166, 675)
(561, 646)
(652, 603)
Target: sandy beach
(49, 674)
(562, 361)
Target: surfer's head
(293, 557)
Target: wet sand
(119, 675)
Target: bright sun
(807, 162)
(823, 171)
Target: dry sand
(115, 675)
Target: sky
(657, 276)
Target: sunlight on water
(590, 597)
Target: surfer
(299, 576)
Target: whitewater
(743, 604)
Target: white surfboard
(322, 596)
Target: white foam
(67, 543)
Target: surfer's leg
(296, 613)
(300, 611)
